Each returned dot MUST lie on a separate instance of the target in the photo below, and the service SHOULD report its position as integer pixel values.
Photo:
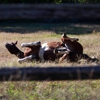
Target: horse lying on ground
(34, 50)
(69, 49)
(37, 51)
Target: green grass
(66, 90)
(57, 90)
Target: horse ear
(16, 42)
(64, 35)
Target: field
(89, 37)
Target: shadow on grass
(23, 27)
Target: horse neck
(74, 46)
(68, 42)
(19, 53)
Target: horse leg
(70, 56)
(63, 57)
(31, 44)
(25, 59)
(60, 51)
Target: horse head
(72, 44)
(12, 48)
(66, 38)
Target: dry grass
(90, 43)
(62, 90)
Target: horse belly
(49, 55)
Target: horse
(38, 51)
(68, 48)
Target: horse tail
(73, 57)
(89, 59)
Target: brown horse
(38, 51)
(69, 48)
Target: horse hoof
(19, 61)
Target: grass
(57, 90)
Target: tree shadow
(24, 27)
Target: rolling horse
(68, 48)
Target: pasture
(89, 37)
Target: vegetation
(50, 1)
(89, 37)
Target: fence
(50, 73)
(49, 11)
(22, 11)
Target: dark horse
(69, 49)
